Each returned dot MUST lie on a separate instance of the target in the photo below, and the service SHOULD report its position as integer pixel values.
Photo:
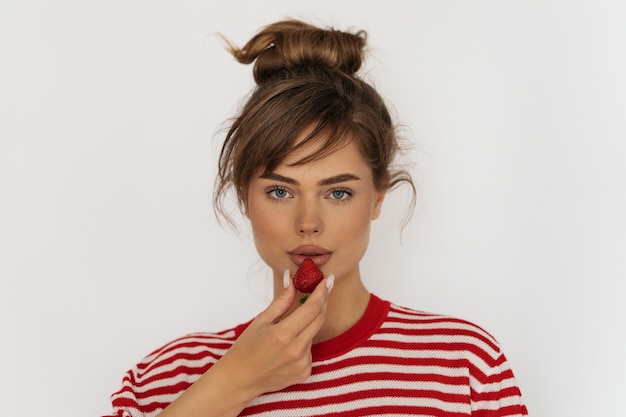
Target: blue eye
(340, 194)
(278, 193)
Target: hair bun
(284, 47)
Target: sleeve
(159, 378)
(494, 392)
(124, 402)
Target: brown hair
(306, 78)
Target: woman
(310, 158)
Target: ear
(380, 196)
(245, 209)
(378, 204)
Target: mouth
(317, 254)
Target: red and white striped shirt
(394, 362)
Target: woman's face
(322, 210)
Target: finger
(304, 315)
(310, 331)
(321, 291)
(281, 304)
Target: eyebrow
(326, 181)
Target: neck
(347, 303)
(345, 307)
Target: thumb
(281, 304)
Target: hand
(271, 354)
(274, 353)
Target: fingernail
(286, 278)
(330, 282)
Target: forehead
(344, 157)
(316, 142)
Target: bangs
(330, 137)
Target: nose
(309, 219)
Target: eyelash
(348, 194)
(269, 191)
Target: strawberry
(307, 276)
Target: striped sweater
(394, 362)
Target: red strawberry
(307, 276)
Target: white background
(109, 125)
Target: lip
(317, 254)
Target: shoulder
(194, 350)
(441, 332)
(424, 320)
(167, 371)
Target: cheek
(261, 235)
(266, 230)
(355, 225)
(355, 236)
(258, 215)
(262, 224)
